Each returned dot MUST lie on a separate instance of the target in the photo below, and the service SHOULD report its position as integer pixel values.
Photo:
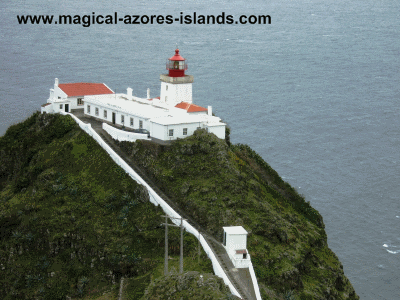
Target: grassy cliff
(220, 184)
(72, 222)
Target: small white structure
(171, 116)
(235, 240)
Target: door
(66, 107)
(113, 117)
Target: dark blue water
(316, 93)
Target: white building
(168, 117)
(67, 96)
(235, 243)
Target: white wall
(162, 131)
(74, 102)
(235, 242)
(118, 114)
(158, 131)
(238, 260)
(47, 109)
(101, 112)
(176, 93)
(178, 130)
(55, 107)
(121, 135)
(219, 131)
(59, 93)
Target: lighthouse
(171, 116)
(176, 86)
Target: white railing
(240, 262)
(157, 200)
(255, 283)
(121, 135)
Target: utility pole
(166, 244)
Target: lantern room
(176, 65)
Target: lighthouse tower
(176, 86)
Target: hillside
(219, 184)
(72, 222)
(191, 285)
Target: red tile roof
(84, 89)
(190, 107)
(241, 251)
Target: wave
(391, 251)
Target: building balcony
(169, 79)
(238, 260)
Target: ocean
(316, 93)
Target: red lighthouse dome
(176, 65)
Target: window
(171, 132)
(88, 109)
(122, 119)
(184, 131)
(59, 97)
(96, 111)
(166, 87)
(105, 114)
(132, 122)
(80, 101)
(61, 106)
(244, 255)
(140, 124)
(166, 98)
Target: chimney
(129, 93)
(148, 93)
(51, 94)
(56, 83)
(210, 110)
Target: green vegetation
(72, 222)
(219, 184)
(190, 285)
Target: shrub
(21, 183)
